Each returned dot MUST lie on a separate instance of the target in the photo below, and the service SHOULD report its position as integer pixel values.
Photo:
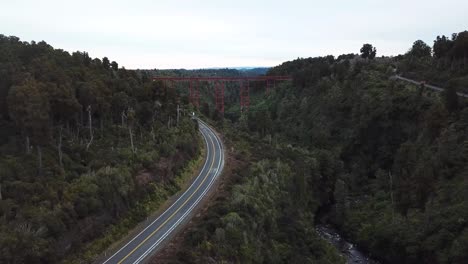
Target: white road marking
(187, 191)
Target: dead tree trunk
(91, 136)
(122, 117)
(152, 134)
(28, 148)
(130, 132)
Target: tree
(368, 51)
(105, 63)
(420, 49)
(44, 92)
(90, 123)
(119, 103)
(451, 98)
(30, 111)
(114, 65)
(131, 121)
(442, 47)
(82, 58)
(460, 47)
(62, 101)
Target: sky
(145, 34)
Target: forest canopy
(83, 144)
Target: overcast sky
(216, 33)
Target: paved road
(147, 241)
(428, 85)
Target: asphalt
(148, 241)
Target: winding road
(149, 240)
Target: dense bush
(267, 215)
(82, 142)
(402, 192)
(390, 159)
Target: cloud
(192, 34)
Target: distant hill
(236, 71)
(245, 70)
(254, 71)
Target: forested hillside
(88, 149)
(345, 144)
(83, 145)
(403, 192)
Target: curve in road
(147, 241)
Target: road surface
(147, 241)
(435, 88)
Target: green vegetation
(344, 143)
(368, 51)
(142, 209)
(87, 150)
(402, 191)
(267, 214)
(448, 65)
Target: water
(350, 251)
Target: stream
(350, 251)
